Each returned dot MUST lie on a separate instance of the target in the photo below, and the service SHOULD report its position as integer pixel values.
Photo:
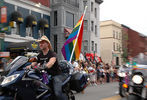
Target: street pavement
(107, 91)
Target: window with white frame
(16, 29)
(92, 25)
(114, 46)
(69, 19)
(41, 32)
(95, 12)
(84, 3)
(113, 34)
(92, 45)
(91, 6)
(85, 45)
(95, 30)
(55, 18)
(85, 24)
(96, 47)
(29, 31)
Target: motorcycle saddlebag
(78, 82)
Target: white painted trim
(30, 5)
(17, 38)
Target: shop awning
(43, 23)
(31, 20)
(16, 16)
(30, 46)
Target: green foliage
(125, 54)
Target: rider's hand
(28, 67)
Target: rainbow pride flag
(77, 33)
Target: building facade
(91, 35)
(26, 20)
(111, 42)
(65, 14)
(134, 41)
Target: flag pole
(77, 36)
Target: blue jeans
(57, 84)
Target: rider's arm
(51, 62)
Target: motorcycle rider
(48, 56)
(130, 62)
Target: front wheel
(134, 97)
(71, 96)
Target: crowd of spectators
(98, 72)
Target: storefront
(20, 49)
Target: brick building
(133, 41)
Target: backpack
(65, 66)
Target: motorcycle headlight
(9, 79)
(137, 79)
(122, 74)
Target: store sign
(4, 54)
(3, 14)
(34, 45)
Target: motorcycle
(124, 78)
(138, 83)
(17, 83)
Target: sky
(132, 13)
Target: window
(85, 24)
(55, 43)
(84, 3)
(69, 19)
(114, 46)
(16, 29)
(117, 47)
(41, 32)
(95, 12)
(55, 18)
(113, 34)
(92, 25)
(96, 47)
(95, 30)
(116, 35)
(85, 45)
(92, 43)
(91, 6)
(29, 31)
(120, 35)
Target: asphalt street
(107, 91)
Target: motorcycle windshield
(16, 63)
